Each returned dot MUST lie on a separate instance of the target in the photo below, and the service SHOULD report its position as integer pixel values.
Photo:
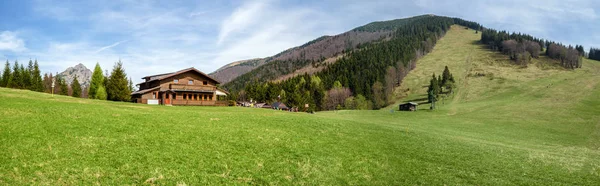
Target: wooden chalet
(185, 87)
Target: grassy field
(516, 126)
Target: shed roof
(279, 105)
(410, 103)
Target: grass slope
(525, 126)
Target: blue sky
(152, 37)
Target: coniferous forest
(115, 87)
(594, 54)
(370, 73)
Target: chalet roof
(145, 90)
(167, 75)
(157, 75)
(222, 90)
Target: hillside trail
(460, 93)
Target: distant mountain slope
(315, 52)
(232, 70)
(84, 75)
(318, 49)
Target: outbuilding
(410, 106)
(279, 106)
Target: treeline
(364, 78)
(113, 87)
(522, 47)
(21, 77)
(594, 54)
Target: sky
(153, 37)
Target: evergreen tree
(46, 83)
(440, 84)
(432, 98)
(445, 76)
(15, 80)
(434, 88)
(28, 76)
(76, 87)
(6, 75)
(116, 87)
(594, 54)
(101, 93)
(63, 88)
(37, 82)
(24, 75)
(96, 83)
(131, 87)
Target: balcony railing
(202, 88)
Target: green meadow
(538, 125)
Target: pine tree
(6, 75)
(131, 87)
(434, 87)
(61, 86)
(28, 80)
(116, 87)
(101, 93)
(76, 87)
(97, 83)
(24, 75)
(445, 76)
(432, 98)
(440, 84)
(37, 82)
(15, 80)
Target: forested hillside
(313, 52)
(365, 76)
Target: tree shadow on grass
(419, 101)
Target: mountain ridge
(320, 48)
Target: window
(205, 97)
(190, 82)
(175, 81)
(153, 95)
(204, 83)
(195, 96)
(184, 96)
(174, 96)
(210, 97)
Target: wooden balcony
(198, 88)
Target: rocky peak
(84, 75)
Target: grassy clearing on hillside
(522, 127)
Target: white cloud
(9, 41)
(241, 18)
(110, 46)
(264, 28)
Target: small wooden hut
(410, 106)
